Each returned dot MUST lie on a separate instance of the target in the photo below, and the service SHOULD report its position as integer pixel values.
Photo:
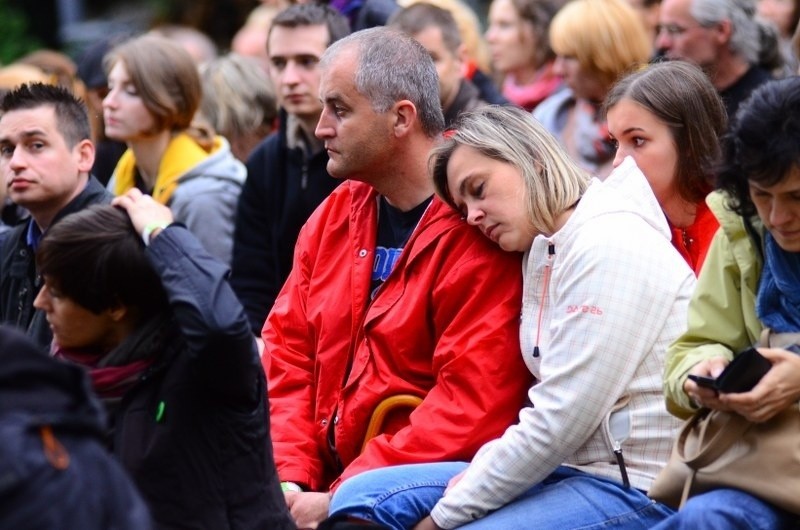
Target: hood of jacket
(183, 160)
(49, 391)
(734, 225)
(625, 190)
(220, 164)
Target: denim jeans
(729, 509)
(399, 497)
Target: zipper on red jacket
(551, 251)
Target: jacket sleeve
(717, 323)
(255, 277)
(209, 315)
(292, 380)
(480, 379)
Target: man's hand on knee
(308, 508)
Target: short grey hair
(749, 37)
(553, 182)
(392, 66)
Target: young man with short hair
(45, 158)
(286, 176)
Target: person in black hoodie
(45, 158)
(286, 173)
(55, 471)
(138, 302)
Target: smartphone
(744, 372)
(703, 381)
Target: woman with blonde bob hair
(604, 293)
(595, 42)
(551, 182)
(154, 93)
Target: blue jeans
(398, 497)
(730, 509)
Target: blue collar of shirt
(34, 235)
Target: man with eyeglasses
(735, 49)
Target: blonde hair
(552, 181)
(15, 74)
(607, 37)
(62, 69)
(238, 96)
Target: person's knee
(396, 496)
(357, 495)
(725, 508)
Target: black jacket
(737, 93)
(194, 431)
(19, 282)
(371, 13)
(283, 188)
(488, 89)
(89, 489)
(468, 98)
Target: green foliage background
(15, 40)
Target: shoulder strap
(725, 429)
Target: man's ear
(405, 115)
(462, 55)
(723, 31)
(86, 152)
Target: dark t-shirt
(394, 229)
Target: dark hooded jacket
(193, 432)
(54, 470)
(283, 188)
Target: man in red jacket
(390, 293)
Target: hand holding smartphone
(703, 381)
(741, 375)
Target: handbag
(716, 449)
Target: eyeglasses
(675, 30)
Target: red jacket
(693, 241)
(444, 326)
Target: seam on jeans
(620, 519)
(410, 486)
(631, 515)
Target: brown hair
(96, 259)
(166, 78)
(418, 17)
(681, 96)
(539, 14)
